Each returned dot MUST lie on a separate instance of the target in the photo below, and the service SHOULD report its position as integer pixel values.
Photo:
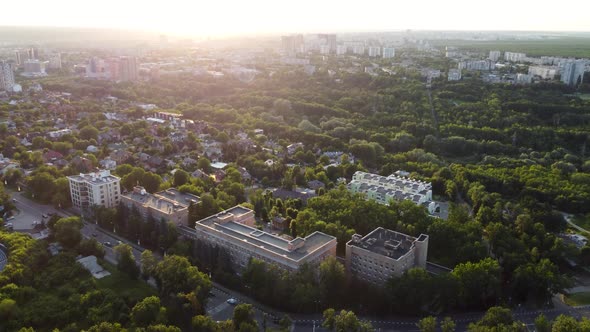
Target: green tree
(565, 323)
(88, 132)
(126, 260)
(332, 281)
(203, 323)
(148, 311)
(67, 231)
(181, 177)
(204, 164)
(243, 313)
(148, 263)
(447, 325)
(427, 324)
(542, 324)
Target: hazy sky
(221, 17)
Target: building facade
(6, 76)
(232, 230)
(388, 52)
(572, 72)
(384, 253)
(454, 74)
(95, 189)
(170, 204)
(394, 187)
(495, 55)
(514, 57)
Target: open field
(567, 47)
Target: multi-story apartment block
(232, 230)
(388, 52)
(374, 51)
(6, 76)
(95, 189)
(514, 57)
(495, 55)
(169, 205)
(545, 72)
(454, 74)
(34, 67)
(384, 253)
(572, 72)
(394, 187)
(476, 65)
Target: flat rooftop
(168, 201)
(295, 249)
(386, 242)
(103, 176)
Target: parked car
(232, 301)
(108, 244)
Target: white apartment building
(170, 204)
(388, 52)
(545, 72)
(573, 71)
(229, 230)
(384, 253)
(340, 50)
(476, 65)
(495, 55)
(514, 57)
(98, 188)
(374, 51)
(6, 76)
(358, 49)
(394, 187)
(454, 74)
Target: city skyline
(185, 18)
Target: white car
(232, 301)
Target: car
(45, 215)
(107, 243)
(14, 200)
(10, 218)
(94, 234)
(232, 301)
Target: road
(218, 308)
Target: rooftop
(99, 177)
(386, 242)
(294, 250)
(167, 201)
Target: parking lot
(27, 213)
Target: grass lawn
(120, 283)
(582, 221)
(578, 299)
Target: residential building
(229, 229)
(128, 68)
(340, 50)
(55, 61)
(544, 72)
(394, 187)
(514, 57)
(95, 189)
(292, 148)
(384, 253)
(374, 51)
(33, 53)
(6, 76)
(34, 67)
(59, 133)
(572, 72)
(454, 74)
(523, 79)
(19, 58)
(170, 204)
(388, 52)
(476, 65)
(358, 49)
(495, 55)
(328, 39)
(292, 44)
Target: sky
(234, 17)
